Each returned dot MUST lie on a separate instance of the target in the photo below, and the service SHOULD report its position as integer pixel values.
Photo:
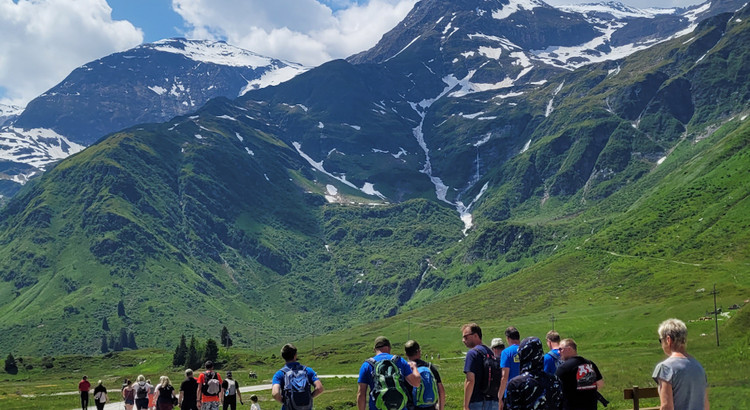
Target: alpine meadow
(502, 162)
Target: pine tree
(180, 353)
(111, 342)
(10, 364)
(123, 338)
(212, 351)
(121, 309)
(193, 359)
(226, 340)
(105, 325)
(131, 341)
(105, 347)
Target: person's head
(412, 350)
(140, 378)
(209, 365)
(85, 377)
(128, 383)
(382, 344)
(553, 339)
(497, 345)
(531, 355)
(673, 335)
(512, 335)
(229, 374)
(99, 383)
(164, 381)
(568, 349)
(289, 352)
(471, 335)
(148, 381)
(188, 373)
(254, 398)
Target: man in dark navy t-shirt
(474, 398)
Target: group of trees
(193, 356)
(10, 364)
(118, 344)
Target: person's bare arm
(276, 393)
(468, 388)
(599, 384)
(503, 385)
(705, 401)
(441, 397)
(362, 396)
(414, 379)
(318, 388)
(665, 395)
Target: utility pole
(313, 343)
(552, 319)
(716, 316)
(408, 333)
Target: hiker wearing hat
(231, 390)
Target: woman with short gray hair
(681, 378)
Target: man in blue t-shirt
(509, 360)
(289, 354)
(383, 352)
(552, 358)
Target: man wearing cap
(292, 366)
(533, 388)
(231, 391)
(497, 345)
(365, 380)
(474, 369)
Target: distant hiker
(509, 360)
(480, 367)
(552, 359)
(100, 395)
(295, 386)
(188, 399)
(580, 378)
(141, 388)
(231, 390)
(386, 376)
(681, 378)
(83, 388)
(497, 345)
(128, 394)
(254, 403)
(533, 388)
(430, 394)
(165, 396)
(209, 388)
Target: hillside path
(118, 405)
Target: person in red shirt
(209, 395)
(83, 387)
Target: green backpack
(387, 387)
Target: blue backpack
(426, 395)
(297, 394)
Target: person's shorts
(141, 404)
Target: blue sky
(44, 40)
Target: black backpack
(491, 375)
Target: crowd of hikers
(509, 374)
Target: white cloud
(303, 31)
(44, 40)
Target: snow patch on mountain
(37, 147)
(514, 6)
(615, 9)
(212, 52)
(158, 90)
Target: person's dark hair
(411, 348)
(553, 336)
(474, 328)
(288, 352)
(512, 333)
(382, 341)
(209, 364)
(254, 398)
(188, 372)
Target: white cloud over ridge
(44, 40)
(302, 31)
